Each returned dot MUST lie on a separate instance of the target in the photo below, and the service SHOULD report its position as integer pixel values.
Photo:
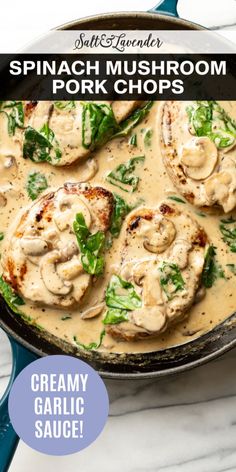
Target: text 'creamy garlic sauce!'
(84, 323)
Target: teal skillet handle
(8, 438)
(166, 7)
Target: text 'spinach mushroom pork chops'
(162, 263)
(97, 246)
(198, 144)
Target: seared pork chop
(198, 148)
(41, 257)
(163, 258)
(73, 129)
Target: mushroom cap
(199, 157)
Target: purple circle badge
(58, 405)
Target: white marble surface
(181, 424)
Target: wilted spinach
(211, 270)
(208, 118)
(176, 199)
(36, 184)
(10, 296)
(90, 245)
(65, 105)
(121, 298)
(129, 124)
(232, 268)
(133, 140)
(15, 115)
(228, 230)
(121, 209)
(92, 345)
(148, 137)
(124, 174)
(41, 146)
(98, 124)
(171, 279)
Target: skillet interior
(153, 364)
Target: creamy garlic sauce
(154, 186)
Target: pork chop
(41, 257)
(163, 258)
(198, 149)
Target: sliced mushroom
(51, 235)
(8, 167)
(3, 200)
(139, 271)
(201, 293)
(70, 269)
(93, 311)
(179, 253)
(152, 319)
(68, 251)
(8, 190)
(217, 185)
(158, 234)
(146, 274)
(152, 314)
(127, 271)
(69, 206)
(51, 278)
(34, 246)
(91, 168)
(199, 157)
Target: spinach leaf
(229, 233)
(98, 124)
(92, 345)
(128, 125)
(232, 268)
(176, 199)
(10, 296)
(121, 209)
(148, 137)
(200, 213)
(15, 115)
(1, 235)
(124, 173)
(171, 279)
(121, 298)
(66, 317)
(14, 301)
(133, 140)
(211, 270)
(115, 316)
(41, 146)
(65, 105)
(210, 119)
(121, 294)
(90, 245)
(36, 184)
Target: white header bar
(136, 42)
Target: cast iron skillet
(28, 342)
